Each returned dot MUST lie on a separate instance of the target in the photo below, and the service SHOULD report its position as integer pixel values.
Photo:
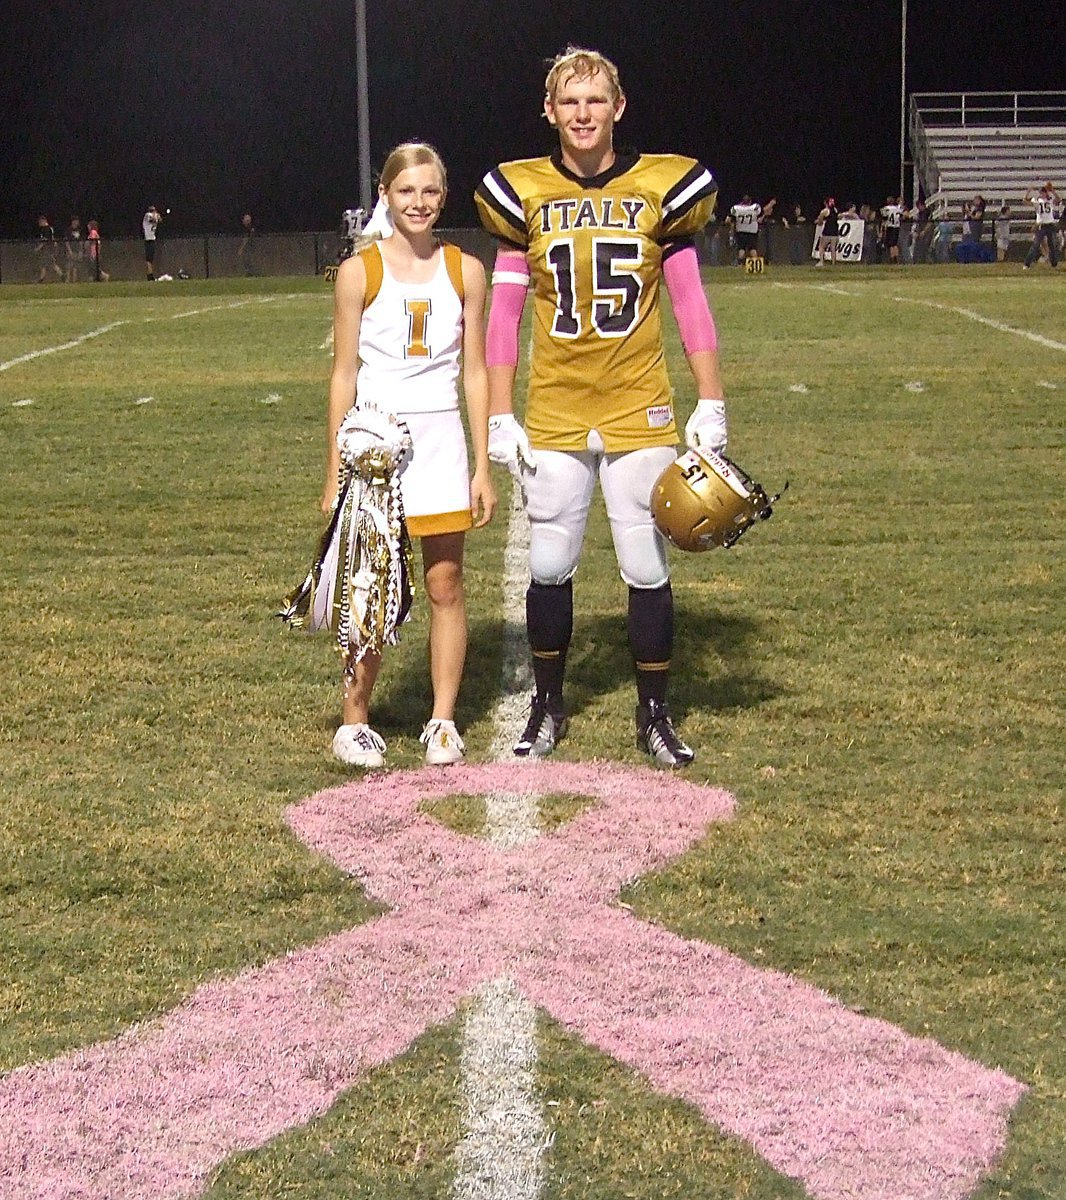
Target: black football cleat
(657, 736)
(546, 726)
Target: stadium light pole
(902, 98)
(362, 105)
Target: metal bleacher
(1000, 145)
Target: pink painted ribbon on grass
(852, 1106)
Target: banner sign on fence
(849, 244)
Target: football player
(892, 213)
(597, 230)
(746, 217)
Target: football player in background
(891, 223)
(597, 230)
(744, 219)
(1046, 203)
(150, 224)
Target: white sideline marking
(144, 400)
(21, 403)
(271, 398)
(1046, 383)
(915, 385)
(1039, 338)
(93, 333)
(500, 1154)
(801, 388)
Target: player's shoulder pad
(499, 199)
(689, 196)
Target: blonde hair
(578, 63)
(411, 154)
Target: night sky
(215, 109)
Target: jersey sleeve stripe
(498, 194)
(697, 185)
(671, 247)
(510, 277)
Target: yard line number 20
(616, 286)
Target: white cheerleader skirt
(435, 476)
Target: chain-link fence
(312, 253)
(196, 257)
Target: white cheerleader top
(410, 337)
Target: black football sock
(550, 625)
(651, 639)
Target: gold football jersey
(595, 250)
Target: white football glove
(706, 426)
(508, 444)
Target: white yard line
(969, 313)
(501, 1151)
(85, 337)
(195, 312)
(1001, 326)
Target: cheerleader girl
(408, 318)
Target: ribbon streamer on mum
(359, 584)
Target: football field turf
(876, 675)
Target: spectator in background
(871, 232)
(1001, 232)
(149, 224)
(923, 232)
(1046, 203)
(942, 237)
(74, 244)
(246, 250)
(798, 241)
(47, 250)
(829, 238)
(974, 215)
(713, 235)
(767, 220)
(92, 240)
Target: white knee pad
(552, 553)
(627, 481)
(558, 494)
(641, 555)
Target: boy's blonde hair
(578, 63)
(412, 154)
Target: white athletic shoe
(442, 742)
(359, 746)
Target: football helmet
(703, 500)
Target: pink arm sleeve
(510, 279)
(694, 320)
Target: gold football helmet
(703, 500)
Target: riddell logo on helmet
(723, 468)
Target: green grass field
(876, 674)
